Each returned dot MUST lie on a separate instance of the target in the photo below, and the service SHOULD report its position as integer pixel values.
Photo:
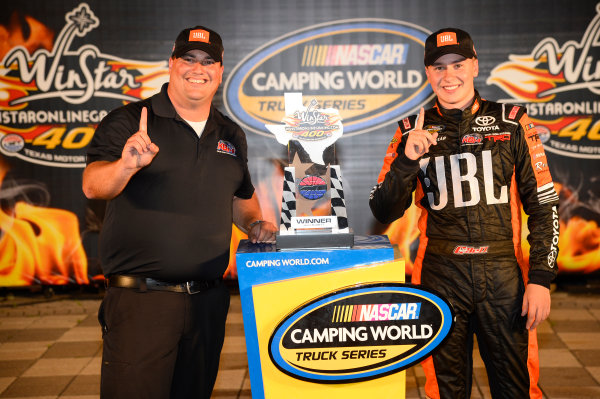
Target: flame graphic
(520, 78)
(40, 37)
(12, 35)
(579, 245)
(403, 232)
(39, 245)
(151, 81)
(556, 125)
(30, 133)
(12, 89)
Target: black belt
(143, 284)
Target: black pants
(161, 344)
(486, 295)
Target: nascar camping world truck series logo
(369, 69)
(559, 84)
(360, 333)
(54, 96)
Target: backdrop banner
(65, 64)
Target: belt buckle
(188, 287)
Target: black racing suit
(488, 161)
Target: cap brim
(208, 49)
(432, 58)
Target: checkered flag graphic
(338, 205)
(288, 199)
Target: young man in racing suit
(472, 164)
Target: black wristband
(251, 225)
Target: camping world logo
(360, 333)
(371, 70)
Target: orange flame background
(40, 245)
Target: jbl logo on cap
(446, 38)
(199, 35)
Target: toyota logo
(552, 258)
(485, 120)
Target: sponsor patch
(225, 147)
(540, 166)
(446, 39)
(471, 139)
(495, 137)
(552, 255)
(485, 120)
(435, 128)
(513, 112)
(199, 35)
(470, 250)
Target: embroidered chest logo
(225, 147)
(485, 120)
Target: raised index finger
(420, 119)
(144, 120)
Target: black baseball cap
(199, 38)
(448, 41)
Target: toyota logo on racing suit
(485, 120)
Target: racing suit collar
(457, 114)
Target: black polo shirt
(173, 219)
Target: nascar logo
(360, 333)
(377, 312)
(371, 84)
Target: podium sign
(334, 323)
(275, 284)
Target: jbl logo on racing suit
(457, 179)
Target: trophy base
(314, 240)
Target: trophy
(313, 210)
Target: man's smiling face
(451, 77)
(194, 77)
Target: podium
(302, 310)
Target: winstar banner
(65, 64)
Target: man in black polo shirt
(174, 170)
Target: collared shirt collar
(162, 105)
